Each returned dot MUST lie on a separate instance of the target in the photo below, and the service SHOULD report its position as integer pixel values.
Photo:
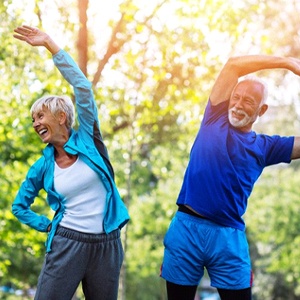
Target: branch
(116, 44)
(113, 47)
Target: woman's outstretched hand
(35, 37)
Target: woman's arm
(25, 197)
(86, 107)
(35, 37)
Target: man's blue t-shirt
(224, 165)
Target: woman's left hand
(35, 37)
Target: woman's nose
(35, 124)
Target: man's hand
(35, 37)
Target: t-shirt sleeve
(214, 112)
(277, 149)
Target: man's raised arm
(239, 66)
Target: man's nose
(239, 104)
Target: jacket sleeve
(87, 112)
(28, 191)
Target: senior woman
(83, 243)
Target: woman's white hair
(56, 104)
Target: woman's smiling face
(46, 125)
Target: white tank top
(84, 197)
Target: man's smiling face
(245, 104)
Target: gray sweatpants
(93, 259)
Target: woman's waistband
(87, 237)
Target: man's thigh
(244, 294)
(229, 265)
(183, 261)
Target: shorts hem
(179, 282)
(231, 287)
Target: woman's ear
(62, 118)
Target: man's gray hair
(56, 104)
(262, 82)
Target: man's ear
(263, 109)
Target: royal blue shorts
(192, 244)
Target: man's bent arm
(239, 66)
(296, 148)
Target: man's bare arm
(296, 148)
(239, 66)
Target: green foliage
(273, 220)
(151, 218)
(22, 249)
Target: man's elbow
(296, 148)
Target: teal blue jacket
(86, 142)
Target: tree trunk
(82, 42)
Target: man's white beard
(238, 123)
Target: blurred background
(152, 65)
